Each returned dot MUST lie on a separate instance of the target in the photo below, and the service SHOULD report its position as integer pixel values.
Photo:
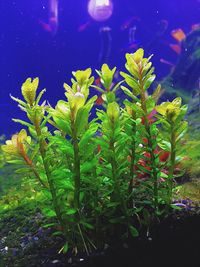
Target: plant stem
(114, 165)
(172, 164)
(117, 193)
(42, 149)
(81, 234)
(38, 176)
(96, 203)
(149, 138)
(77, 172)
(132, 165)
(32, 167)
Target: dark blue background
(26, 50)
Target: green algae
(190, 190)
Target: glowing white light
(100, 10)
(102, 2)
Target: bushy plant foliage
(101, 174)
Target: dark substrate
(173, 242)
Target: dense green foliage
(104, 173)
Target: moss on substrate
(190, 190)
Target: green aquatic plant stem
(32, 167)
(97, 219)
(113, 162)
(172, 163)
(117, 191)
(82, 237)
(38, 176)
(76, 167)
(149, 138)
(114, 168)
(133, 159)
(42, 149)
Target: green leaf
(87, 136)
(87, 225)
(39, 96)
(16, 161)
(35, 152)
(65, 248)
(24, 123)
(117, 220)
(113, 111)
(22, 103)
(146, 73)
(82, 76)
(99, 89)
(88, 166)
(113, 204)
(149, 81)
(57, 233)
(64, 183)
(81, 120)
(71, 211)
(163, 175)
(23, 171)
(62, 125)
(174, 206)
(107, 75)
(129, 93)
(150, 104)
(133, 231)
(82, 116)
(181, 130)
(49, 212)
(156, 93)
(47, 193)
(110, 97)
(117, 86)
(143, 169)
(46, 119)
(165, 145)
(48, 225)
(132, 83)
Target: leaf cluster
(100, 175)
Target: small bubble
(55, 261)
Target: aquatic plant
(173, 129)
(140, 79)
(98, 174)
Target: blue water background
(26, 50)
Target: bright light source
(100, 10)
(102, 2)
